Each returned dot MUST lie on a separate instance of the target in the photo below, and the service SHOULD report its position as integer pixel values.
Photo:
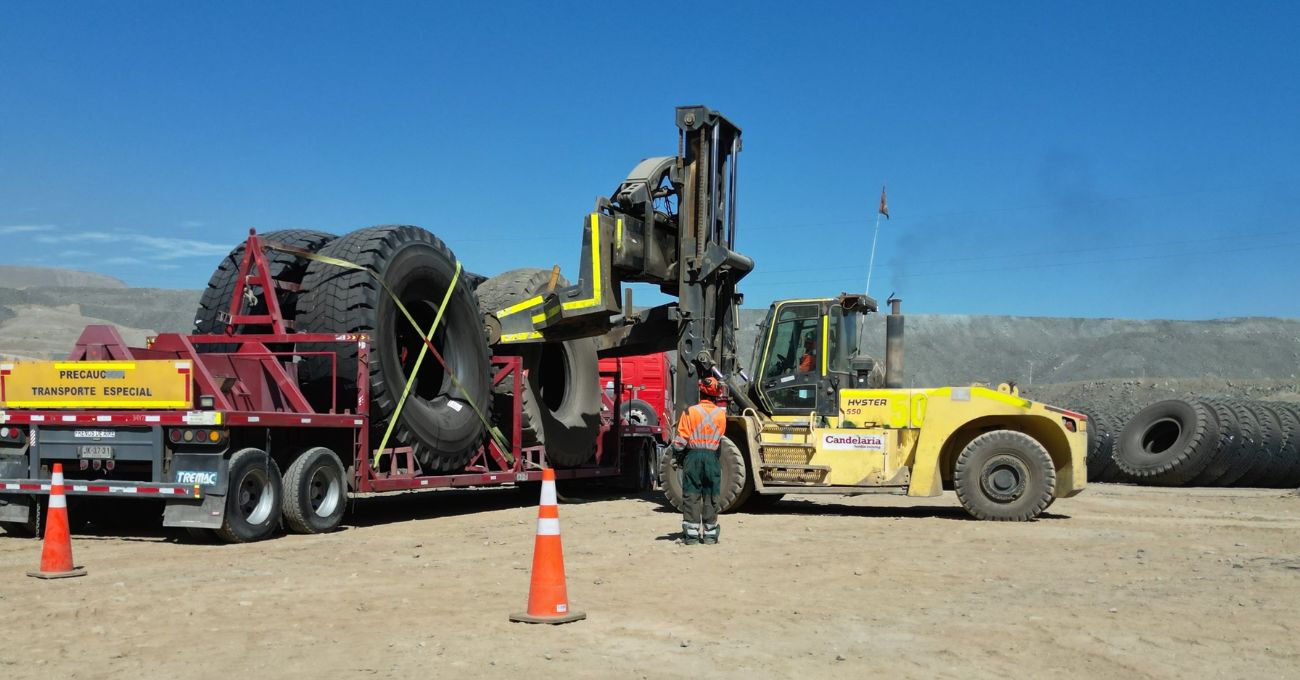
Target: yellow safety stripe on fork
(515, 309)
(594, 300)
(492, 430)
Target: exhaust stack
(894, 344)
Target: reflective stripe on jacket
(701, 427)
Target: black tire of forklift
(34, 527)
(736, 487)
(253, 502)
(315, 492)
(1004, 476)
(560, 404)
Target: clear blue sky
(1042, 158)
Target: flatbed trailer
(243, 407)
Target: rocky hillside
(12, 276)
(43, 321)
(962, 349)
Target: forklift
(818, 416)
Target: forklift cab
(808, 352)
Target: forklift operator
(808, 362)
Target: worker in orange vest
(808, 362)
(699, 434)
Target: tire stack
(1104, 425)
(1212, 442)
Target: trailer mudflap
(16, 509)
(207, 513)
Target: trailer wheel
(735, 489)
(315, 492)
(253, 498)
(1004, 475)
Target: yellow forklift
(817, 417)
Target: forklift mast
(671, 222)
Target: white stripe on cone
(57, 500)
(548, 493)
(548, 526)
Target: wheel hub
(255, 498)
(323, 492)
(1003, 478)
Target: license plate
(97, 451)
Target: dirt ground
(1120, 582)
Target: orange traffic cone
(56, 555)
(548, 597)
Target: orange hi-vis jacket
(701, 427)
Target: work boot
(690, 533)
(711, 533)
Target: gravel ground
(1117, 582)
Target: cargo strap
(492, 430)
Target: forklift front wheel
(1004, 475)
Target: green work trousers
(701, 485)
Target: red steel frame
(265, 394)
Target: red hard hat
(710, 386)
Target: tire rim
(637, 417)
(323, 491)
(255, 497)
(1003, 478)
(1161, 436)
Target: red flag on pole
(884, 207)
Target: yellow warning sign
(152, 384)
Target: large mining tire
(735, 487)
(1168, 442)
(560, 403)
(284, 267)
(1291, 450)
(1228, 448)
(1245, 460)
(1098, 457)
(437, 420)
(1272, 438)
(1004, 475)
(1106, 427)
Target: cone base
(525, 617)
(76, 571)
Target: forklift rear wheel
(315, 492)
(1004, 475)
(735, 489)
(253, 498)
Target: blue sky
(1043, 158)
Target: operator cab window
(793, 360)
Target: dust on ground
(1118, 582)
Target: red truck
(647, 394)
